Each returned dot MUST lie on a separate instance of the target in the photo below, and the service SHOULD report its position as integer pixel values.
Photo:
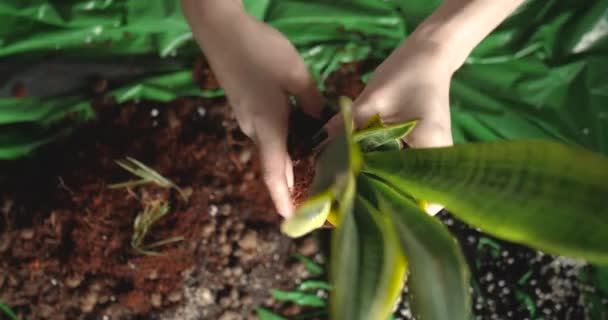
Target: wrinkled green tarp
(542, 74)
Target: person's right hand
(258, 68)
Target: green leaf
(15, 143)
(538, 193)
(8, 311)
(309, 216)
(299, 298)
(265, 314)
(379, 137)
(315, 269)
(439, 277)
(369, 268)
(314, 285)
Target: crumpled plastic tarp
(542, 74)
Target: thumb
(429, 134)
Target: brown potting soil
(65, 236)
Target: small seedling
(142, 224)
(306, 295)
(146, 174)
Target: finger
(429, 134)
(363, 110)
(273, 170)
(303, 87)
(289, 172)
(271, 138)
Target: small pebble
(207, 231)
(213, 210)
(206, 297)
(45, 311)
(249, 240)
(89, 302)
(247, 300)
(5, 242)
(222, 238)
(245, 156)
(226, 249)
(156, 300)
(225, 209)
(309, 247)
(153, 275)
(225, 302)
(73, 281)
(239, 226)
(27, 234)
(175, 296)
(230, 315)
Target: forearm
(458, 26)
(214, 23)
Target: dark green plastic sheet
(542, 74)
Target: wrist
(432, 53)
(458, 26)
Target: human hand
(411, 84)
(258, 69)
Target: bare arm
(458, 26)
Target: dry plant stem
(147, 175)
(142, 224)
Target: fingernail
(287, 210)
(319, 137)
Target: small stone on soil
(208, 231)
(249, 241)
(45, 311)
(175, 296)
(5, 242)
(225, 302)
(309, 247)
(153, 275)
(73, 281)
(206, 297)
(213, 209)
(226, 249)
(156, 300)
(292, 310)
(89, 302)
(247, 300)
(222, 238)
(27, 234)
(245, 156)
(225, 210)
(230, 315)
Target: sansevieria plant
(542, 194)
